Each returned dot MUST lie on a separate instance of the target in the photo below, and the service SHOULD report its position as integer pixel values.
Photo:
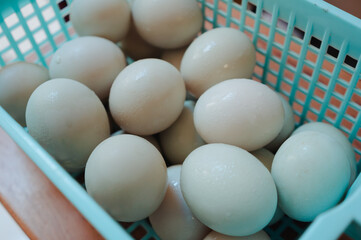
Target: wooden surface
(34, 202)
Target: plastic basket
(308, 50)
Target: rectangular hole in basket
(271, 78)
(54, 27)
(315, 42)
(291, 61)
(312, 117)
(27, 10)
(251, 7)
(260, 58)
(263, 29)
(331, 114)
(39, 36)
(31, 57)
(274, 66)
(328, 66)
(300, 96)
(59, 39)
(258, 70)
(340, 89)
(356, 99)
(139, 232)
(304, 84)
(33, 23)
(220, 20)
(312, 57)
(236, 14)
(288, 74)
(323, 79)
(9, 56)
(42, 3)
(332, 51)
(208, 25)
(4, 43)
(351, 112)
(295, 47)
(25, 46)
(66, 18)
(18, 33)
(307, 70)
(297, 108)
(350, 61)
(208, 12)
(46, 48)
(62, 4)
(315, 105)
(335, 102)
(320, 93)
(282, 25)
(250, 22)
(298, 33)
(285, 87)
(11, 20)
(276, 53)
(279, 38)
(48, 13)
(347, 124)
(261, 44)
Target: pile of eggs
(223, 180)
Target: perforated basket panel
(303, 51)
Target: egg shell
(93, 61)
(127, 176)
(109, 19)
(277, 216)
(261, 235)
(151, 138)
(173, 219)
(68, 120)
(17, 82)
(217, 55)
(147, 97)
(311, 173)
(287, 129)
(240, 112)
(181, 138)
(174, 28)
(337, 135)
(228, 189)
(174, 57)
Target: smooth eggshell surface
(288, 126)
(228, 189)
(261, 235)
(240, 112)
(93, 61)
(109, 19)
(337, 135)
(147, 97)
(215, 56)
(68, 120)
(173, 219)
(17, 83)
(311, 173)
(180, 139)
(167, 24)
(127, 176)
(174, 57)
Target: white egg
(181, 138)
(127, 176)
(337, 135)
(240, 112)
(288, 126)
(68, 120)
(311, 172)
(109, 19)
(17, 83)
(215, 56)
(173, 219)
(228, 189)
(93, 61)
(174, 57)
(265, 157)
(147, 97)
(261, 235)
(167, 24)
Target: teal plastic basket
(308, 50)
